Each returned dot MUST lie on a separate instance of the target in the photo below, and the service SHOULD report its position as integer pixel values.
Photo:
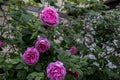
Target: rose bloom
(1, 43)
(31, 56)
(49, 17)
(70, 71)
(56, 71)
(76, 75)
(73, 50)
(42, 45)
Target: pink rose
(49, 17)
(56, 71)
(31, 56)
(42, 45)
(1, 43)
(73, 50)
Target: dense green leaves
(70, 60)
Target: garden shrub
(84, 46)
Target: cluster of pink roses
(31, 55)
(55, 70)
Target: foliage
(93, 30)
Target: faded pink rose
(76, 75)
(73, 50)
(49, 17)
(42, 45)
(31, 56)
(70, 71)
(1, 43)
(56, 71)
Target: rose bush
(46, 46)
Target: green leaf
(80, 72)
(21, 74)
(34, 75)
(13, 61)
(39, 78)
(34, 35)
(1, 59)
(38, 67)
(20, 66)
